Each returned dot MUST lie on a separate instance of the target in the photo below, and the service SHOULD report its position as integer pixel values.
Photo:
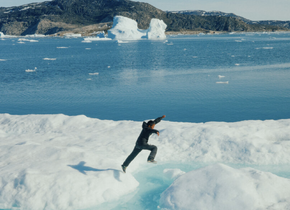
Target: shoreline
(70, 34)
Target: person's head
(151, 124)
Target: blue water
(144, 79)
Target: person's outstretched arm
(157, 120)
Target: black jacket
(146, 132)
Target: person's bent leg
(131, 157)
(153, 150)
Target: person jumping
(142, 143)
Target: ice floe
(219, 187)
(73, 162)
(31, 70)
(220, 82)
(49, 59)
(95, 73)
(90, 39)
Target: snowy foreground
(62, 162)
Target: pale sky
(250, 9)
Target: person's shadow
(82, 168)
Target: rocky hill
(89, 16)
(282, 24)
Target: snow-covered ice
(173, 173)
(219, 186)
(95, 73)
(90, 39)
(73, 162)
(31, 70)
(220, 82)
(49, 59)
(127, 29)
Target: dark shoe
(152, 161)
(124, 168)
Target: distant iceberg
(127, 29)
(1, 34)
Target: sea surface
(196, 78)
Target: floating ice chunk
(3, 59)
(220, 76)
(127, 29)
(238, 41)
(222, 187)
(195, 56)
(49, 59)
(237, 64)
(267, 48)
(173, 173)
(23, 40)
(2, 35)
(86, 41)
(90, 39)
(30, 70)
(32, 40)
(61, 47)
(219, 82)
(96, 73)
(88, 48)
(121, 41)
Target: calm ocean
(198, 78)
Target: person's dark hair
(150, 122)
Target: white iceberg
(156, 29)
(2, 35)
(220, 187)
(127, 29)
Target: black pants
(137, 149)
